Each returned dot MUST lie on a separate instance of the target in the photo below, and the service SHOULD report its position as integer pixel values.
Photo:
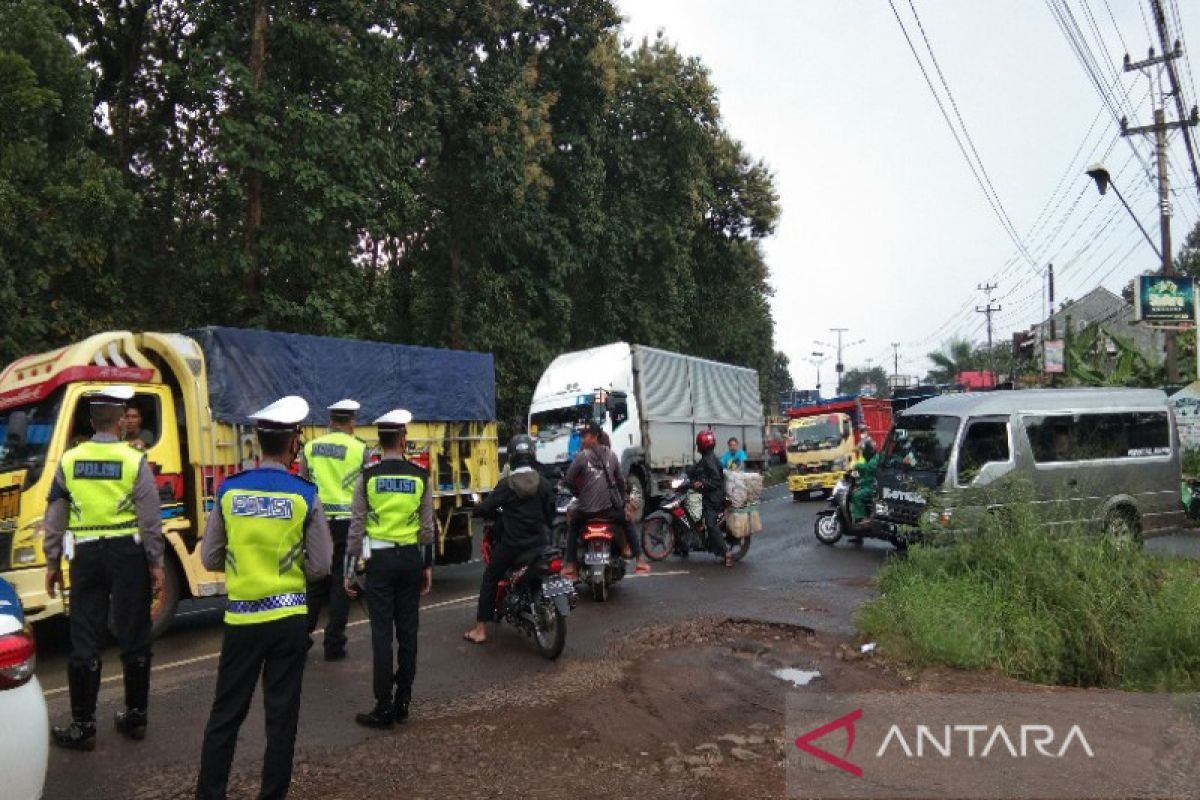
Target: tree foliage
(497, 175)
(854, 378)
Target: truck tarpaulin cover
(249, 369)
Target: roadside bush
(1056, 608)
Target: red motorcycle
(534, 597)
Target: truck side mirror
(18, 431)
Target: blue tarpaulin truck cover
(248, 369)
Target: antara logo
(946, 741)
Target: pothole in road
(797, 677)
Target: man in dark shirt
(709, 479)
(526, 501)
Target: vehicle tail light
(555, 565)
(677, 511)
(18, 658)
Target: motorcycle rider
(864, 491)
(526, 502)
(595, 478)
(708, 478)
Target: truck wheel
(799, 497)
(637, 496)
(163, 612)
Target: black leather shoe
(131, 722)
(380, 718)
(400, 712)
(76, 736)
(335, 655)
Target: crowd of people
(290, 535)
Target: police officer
(268, 533)
(104, 516)
(391, 526)
(333, 462)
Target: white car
(23, 755)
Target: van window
(1085, 437)
(921, 443)
(985, 441)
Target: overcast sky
(884, 230)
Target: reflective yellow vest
(394, 489)
(100, 477)
(334, 462)
(265, 511)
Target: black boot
(381, 717)
(400, 707)
(132, 721)
(83, 683)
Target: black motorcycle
(676, 528)
(533, 597)
(836, 521)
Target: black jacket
(709, 472)
(527, 504)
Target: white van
(1108, 459)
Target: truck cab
(820, 449)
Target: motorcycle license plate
(595, 558)
(556, 587)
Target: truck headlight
(841, 463)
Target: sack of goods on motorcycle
(743, 490)
(694, 503)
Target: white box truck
(653, 403)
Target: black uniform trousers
(393, 591)
(716, 536)
(110, 572)
(276, 651)
(331, 591)
(502, 559)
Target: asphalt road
(786, 577)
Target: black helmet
(868, 449)
(522, 450)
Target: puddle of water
(797, 677)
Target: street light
(817, 359)
(1099, 174)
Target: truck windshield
(558, 422)
(817, 436)
(25, 433)
(921, 443)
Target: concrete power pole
(989, 309)
(840, 347)
(896, 360)
(1153, 67)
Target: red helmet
(705, 441)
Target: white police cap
(345, 406)
(285, 413)
(396, 418)
(111, 396)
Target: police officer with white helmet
(333, 462)
(391, 526)
(105, 517)
(269, 535)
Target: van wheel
(1123, 526)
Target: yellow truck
(820, 449)
(195, 391)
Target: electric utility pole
(1053, 327)
(896, 360)
(839, 348)
(1153, 67)
(989, 309)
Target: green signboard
(1166, 300)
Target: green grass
(1075, 610)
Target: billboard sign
(1166, 300)
(1055, 356)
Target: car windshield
(921, 443)
(25, 433)
(818, 433)
(558, 422)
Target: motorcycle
(533, 597)
(678, 526)
(837, 521)
(564, 504)
(600, 562)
